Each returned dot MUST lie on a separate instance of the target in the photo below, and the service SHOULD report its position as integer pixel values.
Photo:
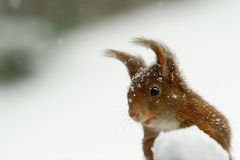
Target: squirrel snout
(135, 116)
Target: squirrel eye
(154, 91)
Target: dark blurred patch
(14, 65)
(68, 13)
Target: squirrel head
(156, 90)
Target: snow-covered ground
(76, 108)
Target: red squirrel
(160, 100)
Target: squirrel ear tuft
(158, 49)
(165, 58)
(133, 63)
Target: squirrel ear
(165, 59)
(133, 63)
(158, 49)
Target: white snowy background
(76, 107)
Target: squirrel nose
(135, 116)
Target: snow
(77, 108)
(187, 144)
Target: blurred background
(61, 99)
(30, 28)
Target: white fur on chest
(167, 124)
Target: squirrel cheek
(157, 101)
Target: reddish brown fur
(175, 101)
